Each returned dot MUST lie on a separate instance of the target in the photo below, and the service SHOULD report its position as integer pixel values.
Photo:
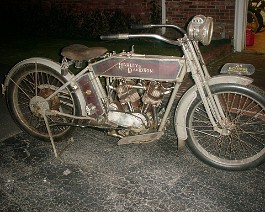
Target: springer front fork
(201, 76)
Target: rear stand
(71, 140)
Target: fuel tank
(149, 67)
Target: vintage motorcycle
(130, 95)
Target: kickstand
(51, 137)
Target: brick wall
(222, 11)
(177, 11)
(139, 9)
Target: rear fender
(49, 63)
(187, 99)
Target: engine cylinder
(126, 94)
(153, 95)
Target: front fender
(49, 63)
(189, 97)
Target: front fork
(201, 76)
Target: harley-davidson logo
(134, 67)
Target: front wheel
(243, 147)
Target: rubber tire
(249, 90)
(11, 102)
(260, 21)
(255, 16)
(252, 21)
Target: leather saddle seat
(82, 52)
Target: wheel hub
(228, 127)
(37, 105)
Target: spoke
(253, 117)
(202, 114)
(27, 89)
(237, 152)
(244, 105)
(52, 82)
(252, 135)
(27, 112)
(24, 97)
(218, 147)
(36, 80)
(245, 111)
(222, 99)
(42, 78)
(40, 124)
(260, 122)
(255, 133)
(228, 149)
(215, 144)
(203, 128)
(23, 104)
(34, 121)
(47, 79)
(247, 146)
(202, 132)
(29, 82)
(200, 122)
(239, 103)
(20, 88)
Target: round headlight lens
(200, 29)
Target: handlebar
(115, 37)
(141, 26)
(129, 36)
(147, 26)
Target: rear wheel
(252, 21)
(26, 94)
(242, 146)
(255, 21)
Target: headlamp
(200, 29)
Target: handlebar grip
(115, 37)
(140, 26)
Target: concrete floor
(94, 174)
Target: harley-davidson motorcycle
(221, 119)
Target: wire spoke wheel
(252, 21)
(27, 100)
(243, 143)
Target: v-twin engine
(136, 103)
